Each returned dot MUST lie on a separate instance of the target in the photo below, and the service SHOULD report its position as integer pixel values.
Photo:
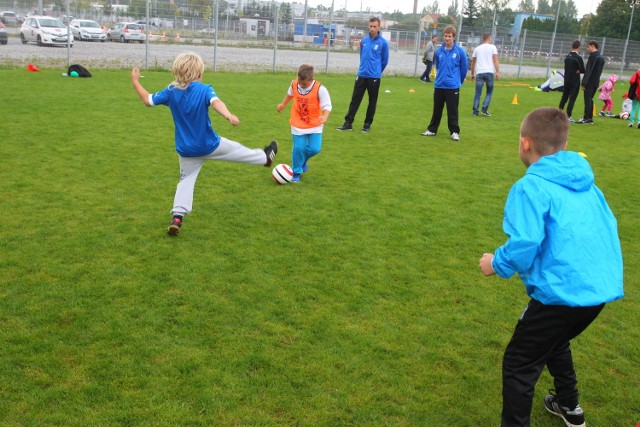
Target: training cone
(515, 99)
(32, 68)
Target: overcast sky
(406, 6)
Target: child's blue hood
(566, 168)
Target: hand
(280, 107)
(135, 74)
(233, 119)
(485, 264)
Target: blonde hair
(187, 68)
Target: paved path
(158, 54)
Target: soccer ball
(624, 115)
(282, 174)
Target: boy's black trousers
(541, 338)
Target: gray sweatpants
(229, 151)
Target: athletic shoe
(638, 125)
(271, 150)
(174, 227)
(305, 166)
(428, 133)
(455, 136)
(631, 124)
(601, 113)
(296, 178)
(345, 126)
(610, 114)
(486, 114)
(475, 114)
(584, 122)
(571, 417)
(571, 120)
(366, 127)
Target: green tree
(434, 8)
(526, 6)
(454, 8)
(471, 13)
(545, 8)
(612, 20)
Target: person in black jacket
(573, 67)
(591, 81)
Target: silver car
(125, 32)
(85, 29)
(45, 30)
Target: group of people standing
(573, 68)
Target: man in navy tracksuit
(451, 62)
(374, 57)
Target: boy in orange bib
(309, 112)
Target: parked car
(45, 30)
(126, 32)
(9, 18)
(85, 29)
(3, 34)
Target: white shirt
(484, 58)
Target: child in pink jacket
(605, 95)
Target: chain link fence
(329, 33)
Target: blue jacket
(563, 238)
(374, 57)
(451, 67)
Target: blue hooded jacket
(451, 66)
(374, 57)
(563, 238)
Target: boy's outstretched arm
(222, 109)
(142, 92)
(485, 265)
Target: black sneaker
(270, 150)
(366, 127)
(345, 126)
(571, 417)
(174, 227)
(584, 122)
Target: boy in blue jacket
(451, 62)
(563, 242)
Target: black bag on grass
(79, 69)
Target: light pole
(553, 39)
(626, 43)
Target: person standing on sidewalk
(428, 59)
(374, 57)
(573, 67)
(591, 81)
(484, 69)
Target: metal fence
(530, 48)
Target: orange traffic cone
(32, 68)
(515, 99)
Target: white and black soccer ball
(624, 115)
(282, 174)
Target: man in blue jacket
(563, 243)
(451, 62)
(374, 57)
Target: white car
(45, 30)
(85, 29)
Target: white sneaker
(428, 133)
(630, 124)
(455, 136)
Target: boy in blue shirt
(196, 141)
(563, 242)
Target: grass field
(351, 299)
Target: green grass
(353, 298)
